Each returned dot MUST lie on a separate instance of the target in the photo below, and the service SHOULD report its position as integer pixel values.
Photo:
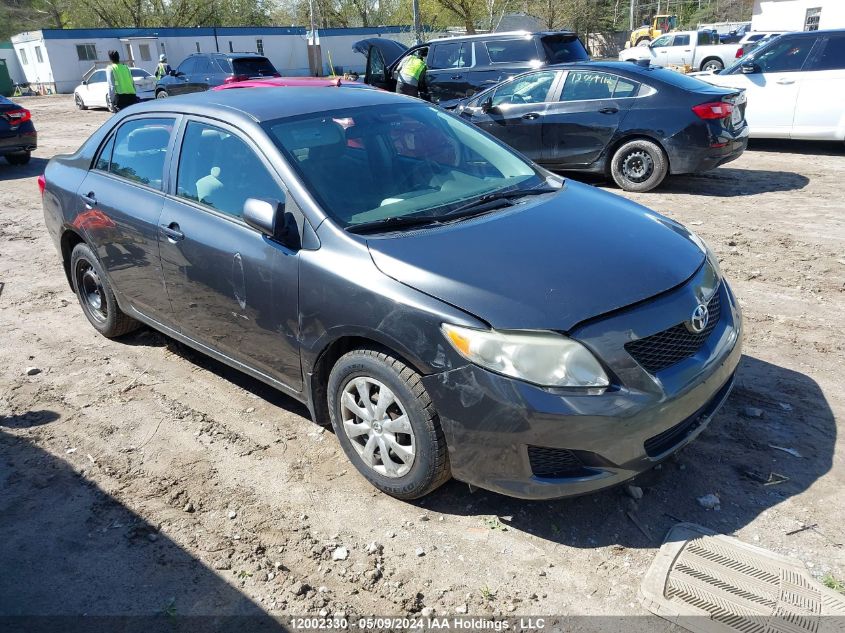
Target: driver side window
(663, 40)
(533, 88)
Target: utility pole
(633, 2)
(417, 28)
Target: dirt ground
(139, 477)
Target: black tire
(95, 295)
(712, 64)
(21, 158)
(79, 102)
(639, 165)
(162, 94)
(430, 468)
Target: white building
(7, 54)
(798, 15)
(55, 60)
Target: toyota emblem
(699, 319)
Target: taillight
(16, 117)
(739, 52)
(42, 184)
(235, 79)
(714, 110)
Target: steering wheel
(519, 98)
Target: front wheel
(162, 94)
(96, 296)
(712, 65)
(386, 424)
(21, 158)
(639, 165)
(79, 102)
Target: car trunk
(253, 67)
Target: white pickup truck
(699, 49)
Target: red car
(307, 82)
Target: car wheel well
(327, 359)
(611, 151)
(711, 59)
(68, 242)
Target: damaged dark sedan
(452, 309)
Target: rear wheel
(386, 424)
(96, 296)
(21, 158)
(79, 102)
(712, 65)
(639, 165)
(162, 94)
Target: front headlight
(542, 358)
(708, 252)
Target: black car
(202, 71)
(635, 123)
(18, 138)
(458, 67)
(449, 306)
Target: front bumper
(504, 434)
(714, 148)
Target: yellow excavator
(659, 25)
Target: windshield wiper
(396, 222)
(492, 201)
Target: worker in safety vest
(163, 69)
(411, 73)
(121, 85)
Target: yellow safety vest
(123, 84)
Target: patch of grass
(832, 583)
(487, 594)
(494, 524)
(243, 574)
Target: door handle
(531, 116)
(457, 76)
(90, 199)
(609, 110)
(783, 81)
(172, 232)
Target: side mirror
(84, 82)
(487, 105)
(749, 68)
(270, 218)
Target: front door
(121, 199)
(581, 124)
(515, 111)
(819, 112)
(234, 290)
(376, 74)
(659, 49)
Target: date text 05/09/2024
(433, 623)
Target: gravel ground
(139, 477)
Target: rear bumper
(706, 151)
(21, 140)
(524, 441)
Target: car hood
(547, 263)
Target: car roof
(259, 105)
(811, 33)
(498, 36)
(299, 82)
(218, 54)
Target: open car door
(381, 53)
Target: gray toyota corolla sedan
(451, 308)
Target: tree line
(471, 15)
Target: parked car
(296, 82)
(795, 86)
(458, 67)
(634, 123)
(202, 71)
(453, 309)
(699, 49)
(18, 138)
(93, 92)
(735, 35)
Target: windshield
(370, 163)
(139, 72)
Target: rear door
(201, 77)
(234, 289)
(515, 111)
(447, 77)
(120, 201)
(819, 112)
(581, 123)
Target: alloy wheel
(637, 166)
(378, 427)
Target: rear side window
(583, 85)
(140, 147)
(219, 170)
(504, 51)
(832, 55)
(253, 67)
(561, 49)
(451, 55)
(223, 64)
(682, 40)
